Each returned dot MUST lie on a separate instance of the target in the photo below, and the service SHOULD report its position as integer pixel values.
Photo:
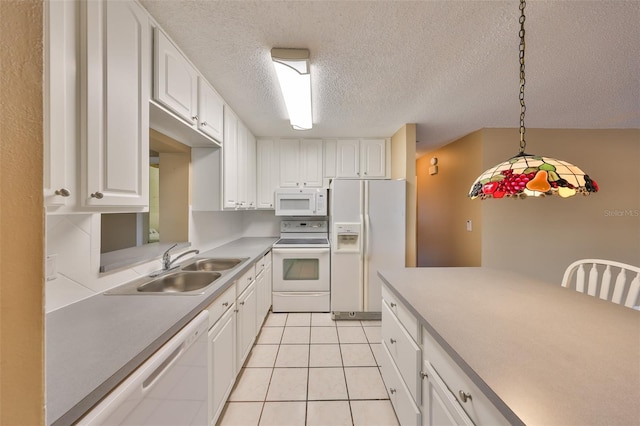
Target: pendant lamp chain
(526, 175)
(523, 108)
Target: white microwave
(301, 202)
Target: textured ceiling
(451, 67)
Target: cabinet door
(268, 172)
(439, 407)
(175, 80)
(311, 160)
(261, 299)
(348, 158)
(115, 93)
(210, 111)
(373, 158)
(222, 358)
(250, 170)
(289, 162)
(241, 165)
(60, 102)
(246, 331)
(230, 160)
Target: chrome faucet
(166, 257)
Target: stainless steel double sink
(190, 279)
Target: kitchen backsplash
(74, 241)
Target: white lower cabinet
(463, 395)
(403, 403)
(222, 359)
(401, 361)
(263, 289)
(235, 318)
(439, 407)
(246, 308)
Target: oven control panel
(316, 226)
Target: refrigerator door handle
(366, 254)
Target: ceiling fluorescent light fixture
(530, 175)
(292, 68)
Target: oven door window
(300, 269)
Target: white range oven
(301, 273)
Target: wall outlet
(469, 226)
(51, 267)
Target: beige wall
(21, 215)
(444, 208)
(403, 166)
(174, 196)
(540, 237)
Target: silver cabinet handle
(225, 303)
(236, 310)
(392, 341)
(393, 305)
(464, 396)
(392, 390)
(424, 375)
(98, 195)
(64, 192)
(194, 118)
(204, 123)
(365, 173)
(242, 303)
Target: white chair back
(595, 277)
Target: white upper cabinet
(116, 58)
(361, 158)
(175, 79)
(348, 160)
(186, 107)
(60, 107)
(373, 158)
(301, 163)
(210, 111)
(311, 156)
(250, 164)
(239, 167)
(268, 172)
(230, 161)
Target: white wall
(75, 240)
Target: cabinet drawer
(246, 279)
(402, 313)
(405, 352)
(219, 306)
(404, 405)
(478, 407)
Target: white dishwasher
(170, 388)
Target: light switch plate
(469, 226)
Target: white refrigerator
(367, 226)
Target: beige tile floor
(306, 369)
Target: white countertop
(551, 355)
(93, 344)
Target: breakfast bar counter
(541, 353)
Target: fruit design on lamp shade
(532, 175)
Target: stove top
(303, 233)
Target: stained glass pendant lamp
(530, 175)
